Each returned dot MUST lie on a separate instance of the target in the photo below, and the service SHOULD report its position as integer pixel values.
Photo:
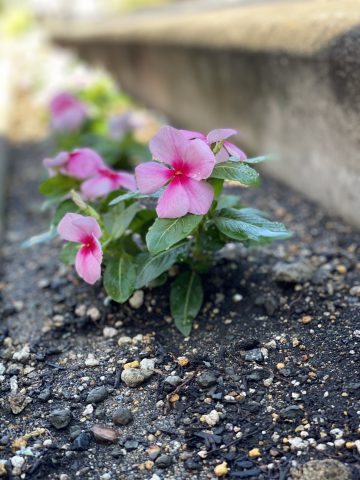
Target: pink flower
(81, 163)
(190, 162)
(119, 125)
(85, 230)
(228, 149)
(67, 112)
(106, 181)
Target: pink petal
(220, 134)
(174, 201)
(84, 163)
(234, 151)
(151, 176)
(54, 164)
(222, 156)
(77, 228)
(200, 195)
(96, 187)
(126, 180)
(67, 111)
(169, 146)
(88, 262)
(198, 160)
(191, 135)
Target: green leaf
(118, 219)
(120, 277)
(57, 185)
(67, 206)
(249, 224)
(68, 253)
(236, 171)
(263, 158)
(165, 232)
(152, 266)
(186, 298)
(41, 238)
(228, 201)
(123, 197)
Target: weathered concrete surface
(4, 111)
(286, 74)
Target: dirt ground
(268, 381)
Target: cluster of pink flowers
(85, 164)
(184, 160)
(67, 112)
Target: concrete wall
(285, 74)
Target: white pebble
(94, 313)
(91, 361)
(109, 332)
(137, 299)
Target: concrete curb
(5, 98)
(285, 74)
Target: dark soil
(277, 360)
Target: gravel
(296, 405)
(60, 418)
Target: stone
(173, 380)
(22, 355)
(292, 412)
(355, 291)
(321, 470)
(254, 453)
(221, 470)
(211, 418)
(296, 272)
(60, 419)
(163, 461)
(104, 434)
(122, 416)
(206, 379)
(137, 299)
(109, 332)
(44, 395)
(131, 444)
(133, 377)
(82, 442)
(97, 395)
(94, 313)
(18, 402)
(254, 355)
(91, 361)
(147, 364)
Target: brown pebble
(104, 434)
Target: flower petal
(174, 201)
(200, 195)
(191, 135)
(125, 180)
(222, 155)
(88, 262)
(220, 134)
(151, 176)
(84, 163)
(96, 187)
(77, 228)
(234, 151)
(198, 160)
(54, 164)
(169, 146)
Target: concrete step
(285, 74)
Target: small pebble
(122, 416)
(137, 299)
(97, 395)
(60, 419)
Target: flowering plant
(100, 117)
(174, 210)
